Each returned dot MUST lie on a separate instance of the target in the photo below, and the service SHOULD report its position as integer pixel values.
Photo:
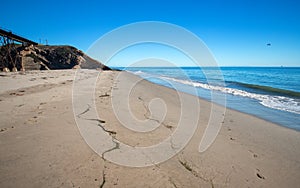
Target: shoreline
(201, 98)
(242, 104)
(39, 138)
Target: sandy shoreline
(41, 146)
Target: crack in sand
(103, 179)
(85, 111)
(157, 166)
(147, 111)
(97, 120)
(189, 168)
(117, 146)
(152, 119)
(172, 182)
(162, 123)
(113, 137)
(111, 133)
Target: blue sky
(235, 31)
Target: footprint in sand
(6, 129)
(3, 129)
(16, 94)
(41, 104)
(259, 175)
(254, 154)
(39, 107)
(33, 119)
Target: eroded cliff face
(42, 57)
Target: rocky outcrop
(41, 57)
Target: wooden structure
(9, 54)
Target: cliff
(41, 57)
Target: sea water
(270, 93)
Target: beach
(41, 145)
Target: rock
(15, 69)
(76, 67)
(5, 69)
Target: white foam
(275, 102)
(138, 72)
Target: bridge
(9, 35)
(10, 57)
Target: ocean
(270, 93)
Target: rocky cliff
(41, 57)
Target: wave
(137, 72)
(283, 103)
(269, 89)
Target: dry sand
(41, 146)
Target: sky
(236, 32)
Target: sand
(41, 145)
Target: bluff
(45, 57)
